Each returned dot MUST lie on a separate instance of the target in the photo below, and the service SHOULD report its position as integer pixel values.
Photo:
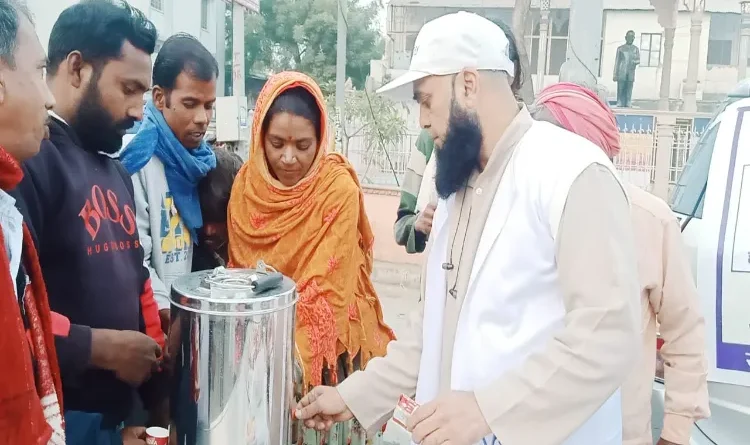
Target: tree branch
(359, 130)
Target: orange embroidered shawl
(317, 233)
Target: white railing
(637, 161)
(637, 158)
(378, 166)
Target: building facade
(718, 54)
(203, 19)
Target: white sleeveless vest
(513, 306)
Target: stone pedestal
(665, 139)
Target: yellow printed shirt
(166, 241)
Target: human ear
(159, 97)
(76, 68)
(469, 78)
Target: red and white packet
(404, 409)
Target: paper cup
(157, 436)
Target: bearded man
(80, 210)
(529, 323)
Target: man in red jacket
(30, 388)
(78, 204)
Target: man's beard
(459, 156)
(95, 126)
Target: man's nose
(202, 117)
(424, 120)
(49, 99)
(135, 113)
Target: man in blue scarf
(168, 157)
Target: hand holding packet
(404, 409)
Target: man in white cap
(529, 323)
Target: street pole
(691, 83)
(521, 10)
(541, 60)
(221, 42)
(238, 50)
(666, 69)
(744, 40)
(584, 43)
(666, 13)
(341, 74)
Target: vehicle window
(690, 184)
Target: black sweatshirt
(79, 207)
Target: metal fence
(640, 136)
(381, 165)
(637, 159)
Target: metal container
(231, 357)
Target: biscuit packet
(404, 409)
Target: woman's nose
(288, 156)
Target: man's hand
(454, 418)
(424, 219)
(134, 435)
(665, 442)
(131, 355)
(322, 407)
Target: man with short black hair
(168, 158)
(30, 387)
(80, 207)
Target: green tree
(301, 35)
(374, 119)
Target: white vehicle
(712, 200)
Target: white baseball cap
(452, 43)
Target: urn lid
(230, 292)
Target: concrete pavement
(396, 276)
(396, 309)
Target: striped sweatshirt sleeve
(406, 216)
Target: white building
(718, 49)
(203, 19)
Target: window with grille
(204, 14)
(650, 49)
(397, 19)
(719, 52)
(723, 39)
(557, 40)
(157, 4)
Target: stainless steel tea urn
(230, 351)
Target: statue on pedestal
(628, 57)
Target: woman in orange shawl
(300, 209)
